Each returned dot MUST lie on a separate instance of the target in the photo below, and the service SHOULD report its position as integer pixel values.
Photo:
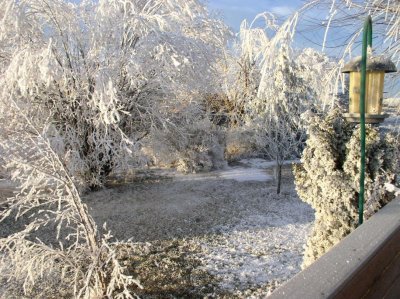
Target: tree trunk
(279, 178)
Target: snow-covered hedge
(328, 177)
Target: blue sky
(234, 11)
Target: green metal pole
(367, 41)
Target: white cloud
(282, 10)
(235, 8)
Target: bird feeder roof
(374, 63)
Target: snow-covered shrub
(58, 251)
(108, 72)
(198, 146)
(224, 111)
(328, 177)
(240, 143)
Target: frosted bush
(252, 69)
(240, 143)
(58, 250)
(198, 146)
(328, 177)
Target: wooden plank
(376, 275)
(394, 291)
(389, 277)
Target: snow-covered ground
(222, 234)
(262, 250)
(237, 173)
(247, 238)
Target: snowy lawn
(220, 234)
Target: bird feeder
(377, 66)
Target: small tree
(280, 141)
(278, 119)
(328, 177)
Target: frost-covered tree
(284, 92)
(291, 79)
(328, 177)
(51, 246)
(322, 76)
(109, 72)
(271, 83)
(80, 86)
(280, 140)
(239, 70)
(277, 112)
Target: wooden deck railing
(366, 264)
